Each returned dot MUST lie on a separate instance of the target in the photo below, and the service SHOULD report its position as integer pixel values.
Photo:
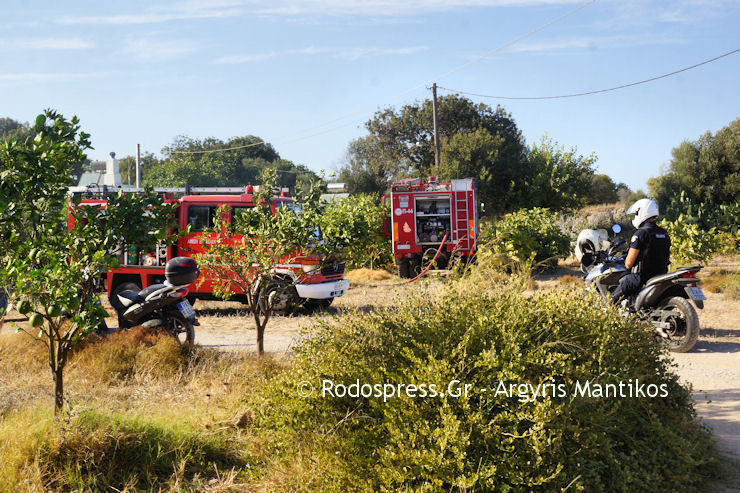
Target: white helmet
(588, 243)
(643, 210)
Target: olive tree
(55, 266)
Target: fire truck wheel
(282, 296)
(403, 268)
(414, 266)
(117, 306)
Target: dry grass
(142, 413)
(594, 209)
(364, 276)
(569, 280)
(721, 280)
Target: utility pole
(138, 166)
(436, 127)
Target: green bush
(526, 235)
(689, 243)
(481, 441)
(357, 222)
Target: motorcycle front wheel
(180, 328)
(683, 323)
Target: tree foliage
(527, 235)
(559, 177)
(369, 167)
(12, 129)
(475, 141)
(55, 272)
(242, 255)
(184, 164)
(705, 172)
(354, 225)
(603, 190)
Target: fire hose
(421, 274)
(431, 262)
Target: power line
(600, 90)
(403, 93)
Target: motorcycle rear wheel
(180, 328)
(683, 321)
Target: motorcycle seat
(149, 290)
(128, 298)
(660, 278)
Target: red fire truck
(423, 213)
(316, 281)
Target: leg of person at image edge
(628, 285)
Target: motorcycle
(163, 305)
(663, 301)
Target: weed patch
(125, 353)
(103, 452)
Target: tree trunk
(58, 390)
(260, 339)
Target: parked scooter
(163, 305)
(664, 299)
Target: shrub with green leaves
(689, 243)
(480, 441)
(528, 234)
(356, 224)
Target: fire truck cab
(424, 213)
(140, 268)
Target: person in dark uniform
(650, 249)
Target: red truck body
(144, 268)
(423, 212)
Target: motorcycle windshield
(603, 269)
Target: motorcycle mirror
(617, 228)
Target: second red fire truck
(426, 213)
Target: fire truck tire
(414, 266)
(283, 296)
(125, 286)
(403, 268)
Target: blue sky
(306, 75)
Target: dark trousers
(629, 284)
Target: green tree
(369, 167)
(127, 167)
(559, 177)
(705, 171)
(477, 154)
(12, 129)
(55, 271)
(241, 255)
(404, 139)
(603, 190)
(354, 225)
(185, 165)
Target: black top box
(181, 271)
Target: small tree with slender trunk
(242, 256)
(55, 267)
